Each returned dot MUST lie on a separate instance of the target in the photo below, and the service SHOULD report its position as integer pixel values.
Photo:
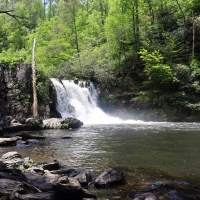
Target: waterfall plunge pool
(162, 149)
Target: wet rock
(67, 137)
(130, 193)
(32, 141)
(69, 188)
(84, 178)
(39, 181)
(148, 186)
(2, 166)
(36, 169)
(174, 195)
(33, 122)
(14, 163)
(145, 196)
(9, 141)
(73, 123)
(67, 171)
(6, 121)
(51, 166)
(110, 177)
(11, 155)
(50, 178)
(12, 159)
(27, 136)
(7, 187)
(21, 143)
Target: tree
(35, 104)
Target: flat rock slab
(36, 196)
(9, 141)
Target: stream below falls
(161, 149)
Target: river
(170, 147)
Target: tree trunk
(193, 35)
(183, 15)
(101, 9)
(35, 106)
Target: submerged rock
(174, 195)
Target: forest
(149, 48)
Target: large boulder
(61, 123)
(12, 159)
(110, 177)
(67, 188)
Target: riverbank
(22, 178)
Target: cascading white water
(81, 101)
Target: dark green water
(170, 147)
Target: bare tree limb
(9, 12)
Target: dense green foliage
(147, 47)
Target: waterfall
(81, 101)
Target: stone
(61, 123)
(51, 166)
(33, 121)
(35, 196)
(21, 143)
(11, 155)
(84, 178)
(69, 188)
(32, 141)
(13, 163)
(110, 177)
(50, 178)
(8, 186)
(145, 196)
(39, 181)
(9, 141)
(174, 195)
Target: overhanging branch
(9, 12)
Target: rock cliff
(16, 92)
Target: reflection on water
(172, 147)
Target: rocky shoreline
(9, 124)
(24, 179)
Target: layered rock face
(16, 92)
